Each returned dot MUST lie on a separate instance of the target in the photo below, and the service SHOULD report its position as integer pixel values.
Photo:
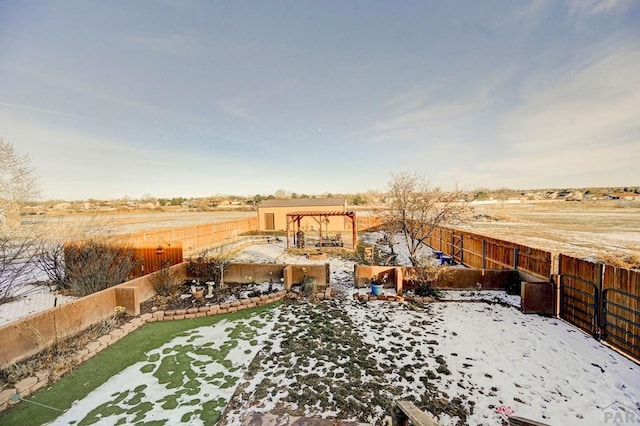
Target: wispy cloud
(577, 124)
(590, 101)
(414, 118)
(597, 7)
(46, 111)
(183, 43)
(235, 109)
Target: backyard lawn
(345, 359)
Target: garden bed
(185, 300)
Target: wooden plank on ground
(416, 416)
(521, 421)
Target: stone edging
(30, 385)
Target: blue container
(376, 289)
(444, 259)
(437, 254)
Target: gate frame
(605, 323)
(595, 295)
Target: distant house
(272, 214)
(629, 196)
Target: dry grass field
(603, 230)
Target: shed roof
(304, 202)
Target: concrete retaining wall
(454, 279)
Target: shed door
(269, 222)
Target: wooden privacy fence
(603, 300)
(621, 308)
(155, 257)
(368, 223)
(195, 237)
(599, 298)
(580, 284)
(478, 251)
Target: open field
(589, 229)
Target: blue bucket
(376, 289)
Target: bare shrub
(207, 266)
(164, 281)
(424, 281)
(372, 256)
(50, 260)
(16, 262)
(50, 252)
(95, 265)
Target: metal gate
(579, 302)
(621, 322)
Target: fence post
(462, 249)
(515, 257)
(484, 254)
(599, 303)
(453, 244)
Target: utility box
(537, 298)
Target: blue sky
(197, 98)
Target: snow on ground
(349, 359)
(480, 356)
(31, 299)
(188, 380)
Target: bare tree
(417, 209)
(18, 184)
(209, 266)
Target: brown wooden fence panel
(368, 223)
(195, 237)
(472, 254)
(621, 309)
(580, 283)
(155, 257)
(479, 251)
(535, 261)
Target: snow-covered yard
(350, 360)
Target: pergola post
(354, 231)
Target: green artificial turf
(97, 370)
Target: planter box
(537, 298)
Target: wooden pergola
(322, 218)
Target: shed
(272, 214)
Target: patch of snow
(30, 300)
(214, 380)
(486, 355)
